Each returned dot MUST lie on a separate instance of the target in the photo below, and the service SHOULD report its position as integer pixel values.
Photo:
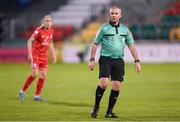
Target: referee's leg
(104, 72)
(117, 76)
(113, 98)
(99, 93)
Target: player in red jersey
(38, 44)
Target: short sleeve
(35, 34)
(129, 38)
(99, 36)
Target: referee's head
(114, 14)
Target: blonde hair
(48, 16)
(115, 7)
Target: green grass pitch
(152, 95)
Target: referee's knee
(116, 85)
(104, 83)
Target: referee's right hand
(91, 65)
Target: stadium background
(155, 26)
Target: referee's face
(114, 15)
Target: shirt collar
(113, 24)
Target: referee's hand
(91, 65)
(138, 67)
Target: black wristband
(91, 59)
(137, 60)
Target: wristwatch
(91, 59)
(137, 60)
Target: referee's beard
(114, 22)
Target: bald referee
(112, 36)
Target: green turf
(69, 90)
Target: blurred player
(37, 54)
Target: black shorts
(111, 68)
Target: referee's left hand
(138, 67)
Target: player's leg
(40, 84)
(117, 76)
(27, 83)
(30, 79)
(104, 72)
(34, 73)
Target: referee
(112, 37)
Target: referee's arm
(93, 51)
(92, 58)
(134, 53)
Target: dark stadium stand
(154, 23)
(160, 30)
(77, 21)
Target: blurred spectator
(174, 34)
(82, 52)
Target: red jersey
(42, 38)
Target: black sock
(99, 94)
(112, 100)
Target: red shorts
(41, 64)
